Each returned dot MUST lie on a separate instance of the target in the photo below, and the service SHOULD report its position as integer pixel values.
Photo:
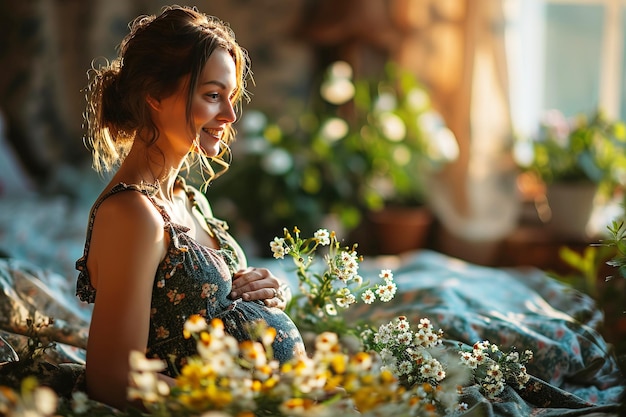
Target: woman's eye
(213, 96)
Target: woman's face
(211, 108)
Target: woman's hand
(258, 284)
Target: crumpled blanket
(34, 299)
(574, 372)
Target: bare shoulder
(128, 232)
(129, 208)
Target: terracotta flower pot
(400, 229)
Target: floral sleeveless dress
(195, 279)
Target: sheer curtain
(457, 48)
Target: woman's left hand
(258, 284)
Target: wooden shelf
(535, 245)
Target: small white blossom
(330, 310)
(279, 250)
(386, 292)
(493, 389)
(139, 362)
(495, 372)
(424, 324)
(405, 367)
(322, 236)
(195, 324)
(405, 338)
(481, 345)
(367, 333)
(403, 325)
(386, 274)
(346, 301)
(221, 361)
(387, 355)
(468, 359)
(325, 341)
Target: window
(566, 55)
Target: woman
(154, 253)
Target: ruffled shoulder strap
(84, 290)
(218, 228)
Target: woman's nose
(228, 113)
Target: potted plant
(577, 159)
(380, 138)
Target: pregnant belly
(240, 315)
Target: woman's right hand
(258, 284)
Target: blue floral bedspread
(574, 371)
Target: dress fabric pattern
(195, 279)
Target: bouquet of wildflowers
(493, 368)
(331, 286)
(242, 379)
(418, 358)
(406, 353)
(405, 374)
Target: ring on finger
(279, 293)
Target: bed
(574, 373)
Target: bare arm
(128, 242)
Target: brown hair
(153, 57)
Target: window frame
(526, 96)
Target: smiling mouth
(213, 132)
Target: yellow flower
(387, 377)
(351, 383)
(334, 382)
(219, 397)
(367, 398)
(194, 375)
(369, 379)
(338, 363)
(194, 400)
(270, 383)
(427, 387)
(297, 406)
